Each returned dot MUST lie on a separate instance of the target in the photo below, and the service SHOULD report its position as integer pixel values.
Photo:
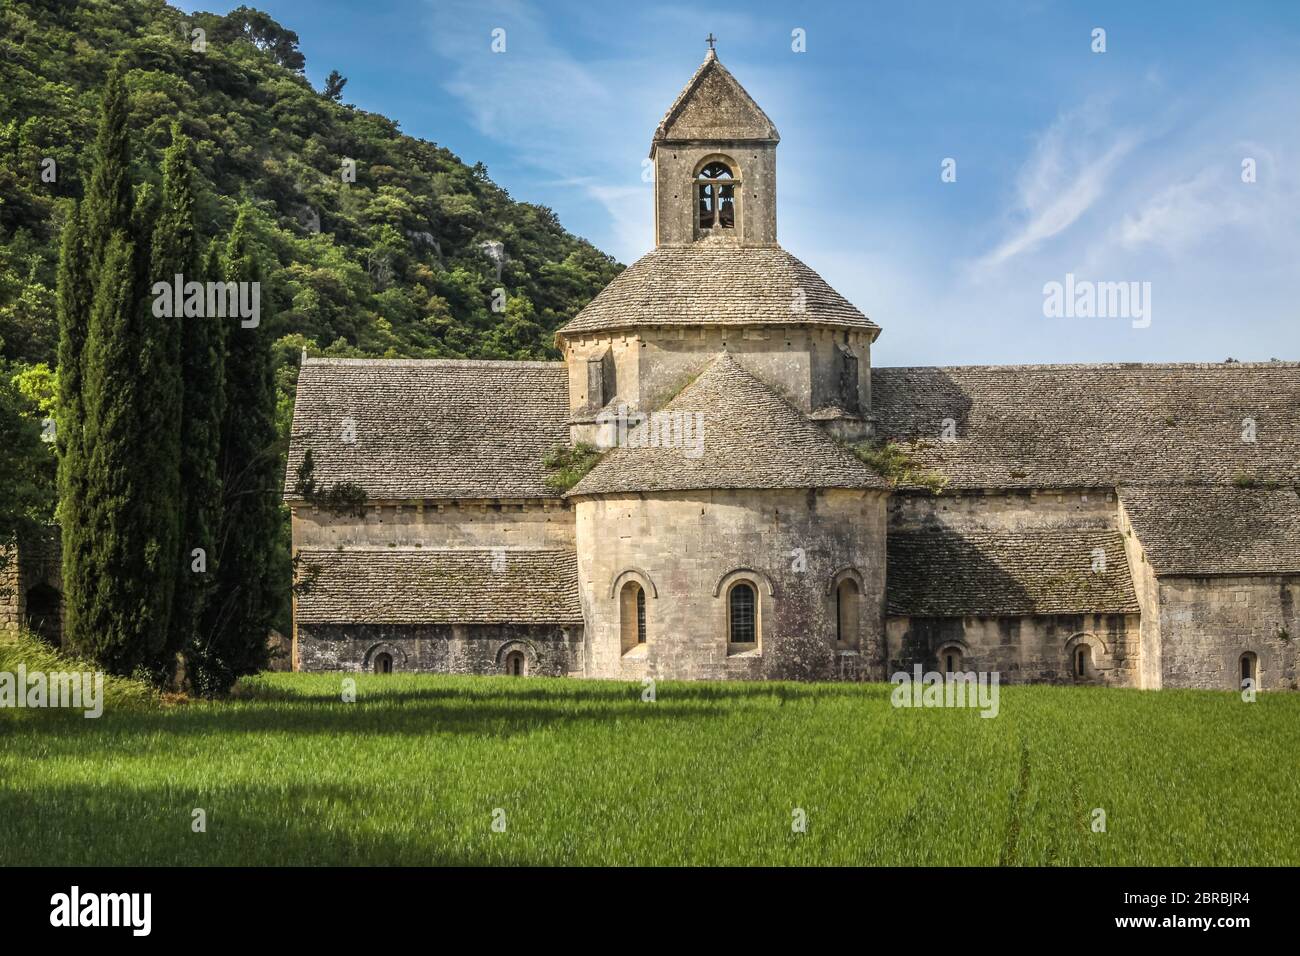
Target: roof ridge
(1047, 366)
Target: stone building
(31, 586)
(1127, 525)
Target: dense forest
(373, 243)
(397, 263)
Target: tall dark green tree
(98, 286)
(246, 595)
(113, 614)
(120, 478)
(108, 202)
(104, 214)
(334, 84)
(74, 297)
(173, 252)
(203, 358)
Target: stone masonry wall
(1147, 589)
(1207, 623)
(10, 592)
(686, 548)
(1023, 649)
(675, 206)
(1004, 509)
(440, 648)
(802, 364)
(1020, 648)
(442, 524)
(32, 564)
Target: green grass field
(587, 773)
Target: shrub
(120, 693)
(569, 464)
(895, 463)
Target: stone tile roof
(1051, 426)
(943, 572)
(430, 428)
(716, 282)
(428, 586)
(714, 106)
(752, 438)
(1207, 529)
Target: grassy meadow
(588, 773)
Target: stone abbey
(1101, 524)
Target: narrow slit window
(640, 615)
(1249, 668)
(631, 613)
(846, 614)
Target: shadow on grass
(495, 708)
(410, 715)
(246, 826)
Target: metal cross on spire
(710, 39)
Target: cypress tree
(105, 210)
(173, 251)
(120, 475)
(98, 357)
(203, 357)
(112, 591)
(74, 295)
(108, 202)
(245, 598)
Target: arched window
(742, 614)
(1083, 661)
(516, 664)
(383, 663)
(846, 614)
(715, 188)
(631, 614)
(1250, 669)
(950, 659)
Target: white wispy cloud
(1140, 182)
(1213, 202)
(1068, 172)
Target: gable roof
(948, 572)
(1092, 426)
(1207, 529)
(435, 586)
(714, 106)
(752, 438)
(716, 283)
(430, 428)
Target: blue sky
(1122, 166)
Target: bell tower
(714, 158)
